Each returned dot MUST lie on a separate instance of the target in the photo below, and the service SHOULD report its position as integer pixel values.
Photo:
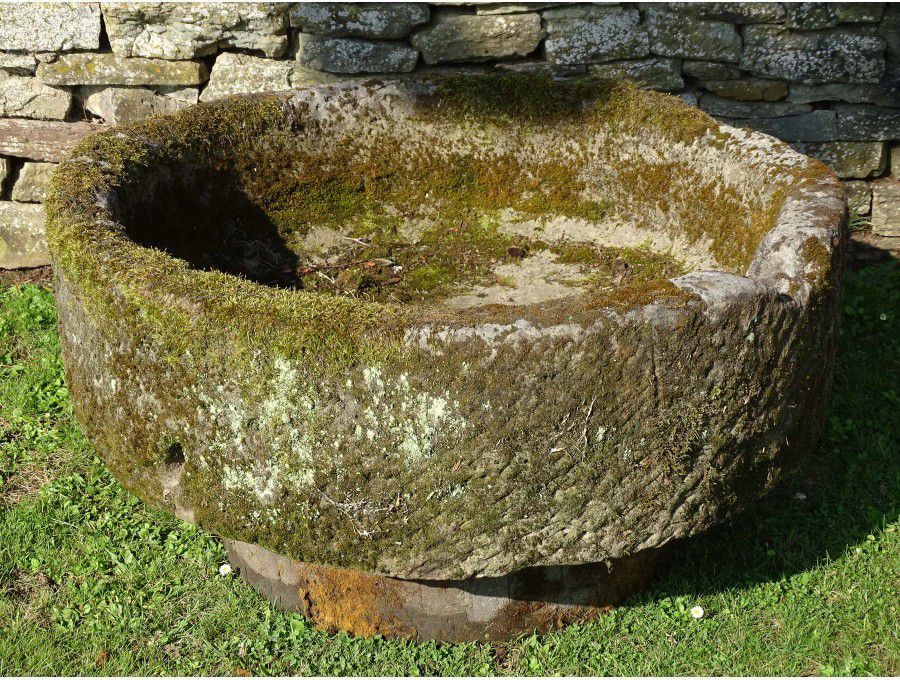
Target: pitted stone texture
(590, 34)
(734, 12)
(455, 36)
(242, 74)
(354, 55)
(886, 206)
(857, 122)
(815, 126)
(657, 74)
(815, 15)
(675, 34)
(812, 57)
(110, 69)
(23, 97)
(377, 20)
(189, 30)
(473, 466)
(117, 105)
(23, 241)
(32, 183)
(849, 159)
(49, 26)
(718, 106)
(41, 140)
(748, 89)
(17, 64)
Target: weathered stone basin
(455, 358)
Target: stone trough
(452, 359)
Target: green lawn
(92, 581)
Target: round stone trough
(449, 359)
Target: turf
(94, 582)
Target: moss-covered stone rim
(92, 249)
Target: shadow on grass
(846, 491)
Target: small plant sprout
(225, 569)
(697, 612)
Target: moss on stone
(346, 431)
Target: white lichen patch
(408, 419)
(282, 419)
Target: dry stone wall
(824, 77)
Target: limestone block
(454, 36)
(512, 7)
(717, 106)
(710, 70)
(657, 74)
(815, 15)
(188, 30)
(884, 93)
(534, 66)
(32, 182)
(849, 159)
(23, 240)
(734, 12)
(815, 126)
(889, 31)
(111, 69)
(748, 89)
(886, 206)
(17, 64)
(25, 97)
(241, 73)
(675, 34)
(117, 105)
(49, 27)
(354, 55)
(41, 140)
(379, 20)
(590, 34)
(858, 122)
(812, 57)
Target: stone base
(534, 599)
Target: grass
(94, 582)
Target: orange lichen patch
(353, 601)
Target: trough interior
(409, 201)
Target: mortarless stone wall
(823, 76)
